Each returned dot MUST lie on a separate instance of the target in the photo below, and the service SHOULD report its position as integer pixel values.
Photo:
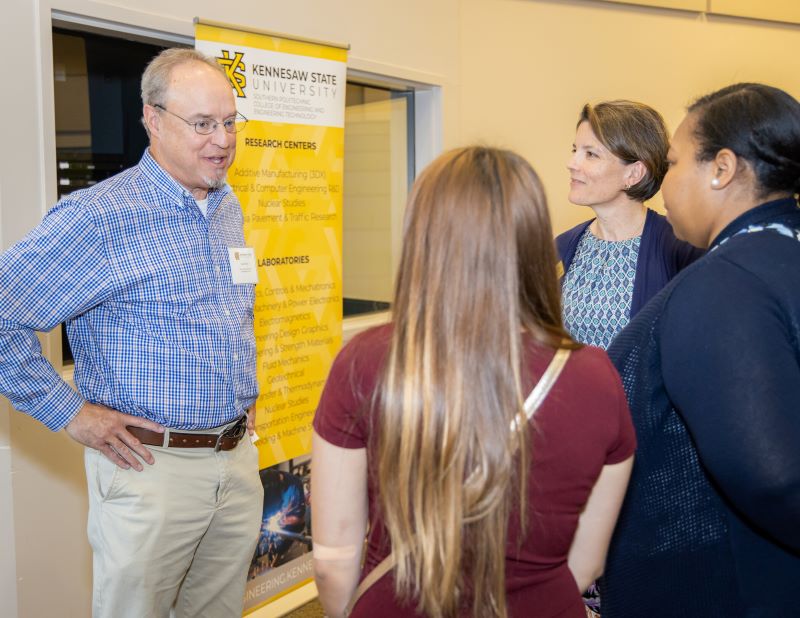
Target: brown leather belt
(224, 441)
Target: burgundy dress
(583, 424)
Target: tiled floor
(309, 610)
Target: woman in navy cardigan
(614, 263)
(711, 366)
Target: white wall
(8, 573)
(21, 207)
(45, 562)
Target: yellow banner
(288, 177)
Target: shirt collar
(764, 213)
(173, 189)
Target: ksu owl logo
(235, 70)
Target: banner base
(287, 603)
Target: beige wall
(528, 66)
(512, 72)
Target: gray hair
(155, 79)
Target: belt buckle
(235, 431)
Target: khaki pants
(177, 537)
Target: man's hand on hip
(251, 420)
(103, 429)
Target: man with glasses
(150, 270)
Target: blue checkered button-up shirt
(144, 282)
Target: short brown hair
(632, 132)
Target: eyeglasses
(234, 124)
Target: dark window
(98, 110)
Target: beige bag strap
(373, 576)
(532, 403)
(545, 383)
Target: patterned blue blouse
(598, 288)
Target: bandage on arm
(343, 552)
(339, 513)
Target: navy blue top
(661, 256)
(711, 523)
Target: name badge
(243, 265)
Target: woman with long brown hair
(421, 430)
